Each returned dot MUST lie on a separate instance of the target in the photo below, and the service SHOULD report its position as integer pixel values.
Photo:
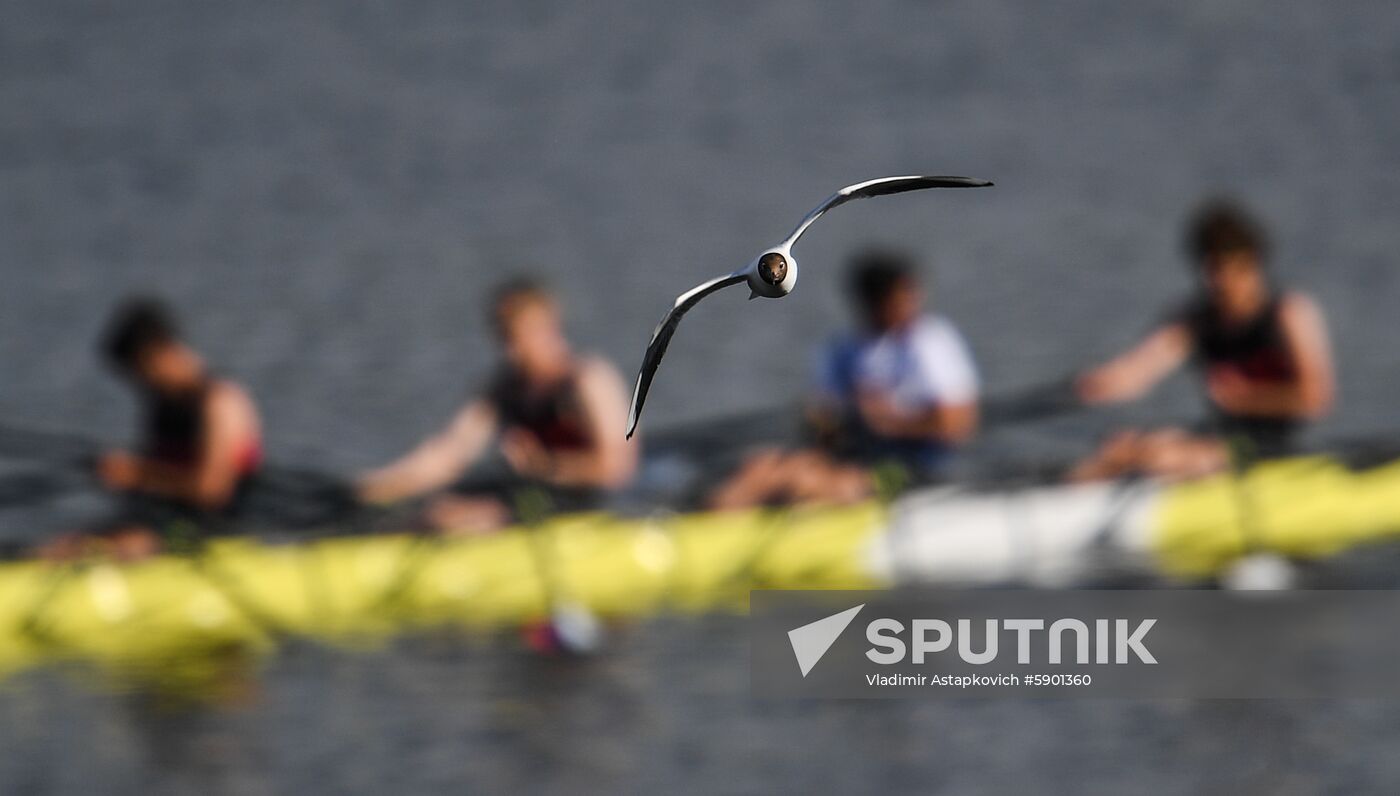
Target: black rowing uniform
(1256, 351)
(555, 416)
(174, 429)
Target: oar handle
(1039, 402)
(54, 448)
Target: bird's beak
(753, 294)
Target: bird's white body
(772, 274)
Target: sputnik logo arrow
(811, 641)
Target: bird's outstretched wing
(662, 338)
(880, 187)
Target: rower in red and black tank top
(1256, 351)
(553, 414)
(175, 426)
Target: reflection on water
(667, 708)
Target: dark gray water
(327, 189)
(667, 709)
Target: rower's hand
(1098, 386)
(824, 422)
(1229, 390)
(526, 454)
(375, 490)
(880, 414)
(119, 471)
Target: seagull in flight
(772, 274)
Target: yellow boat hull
(247, 595)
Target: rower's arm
(948, 423)
(1132, 374)
(231, 420)
(1305, 329)
(435, 462)
(610, 460)
(952, 424)
(1310, 395)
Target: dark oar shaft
(327, 496)
(54, 448)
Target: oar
(28, 487)
(56, 448)
(1039, 402)
(73, 457)
(299, 496)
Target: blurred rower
(560, 418)
(1263, 353)
(201, 438)
(900, 392)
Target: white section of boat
(1050, 536)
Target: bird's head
(773, 274)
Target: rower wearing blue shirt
(899, 390)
